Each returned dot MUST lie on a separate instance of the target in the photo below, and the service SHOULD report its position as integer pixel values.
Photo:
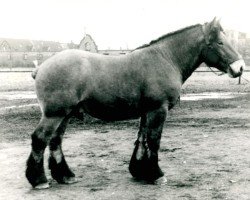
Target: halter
(209, 48)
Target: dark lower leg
(40, 138)
(144, 166)
(58, 166)
(35, 170)
(144, 161)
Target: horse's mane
(166, 35)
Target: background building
(241, 41)
(88, 44)
(22, 53)
(20, 45)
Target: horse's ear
(213, 28)
(215, 24)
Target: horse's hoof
(70, 180)
(42, 186)
(161, 181)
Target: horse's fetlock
(35, 171)
(60, 171)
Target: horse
(145, 83)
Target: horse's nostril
(241, 69)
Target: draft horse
(143, 84)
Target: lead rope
(245, 79)
(217, 74)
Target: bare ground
(204, 150)
(204, 154)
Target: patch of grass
(180, 184)
(221, 122)
(20, 123)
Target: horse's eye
(220, 43)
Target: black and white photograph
(128, 100)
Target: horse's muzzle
(236, 68)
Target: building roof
(88, 44)
(15, 44)
(39, 45)
(8, 44)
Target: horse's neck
(184, 50)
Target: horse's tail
(34, 73)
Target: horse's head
(218, 52)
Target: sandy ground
(204, 154)
(204, 149)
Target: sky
(115, 24)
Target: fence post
(10, 58)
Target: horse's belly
(111, 112)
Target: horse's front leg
(144, 161)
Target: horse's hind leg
(40, 139)
(57, 163)
(144, 161)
